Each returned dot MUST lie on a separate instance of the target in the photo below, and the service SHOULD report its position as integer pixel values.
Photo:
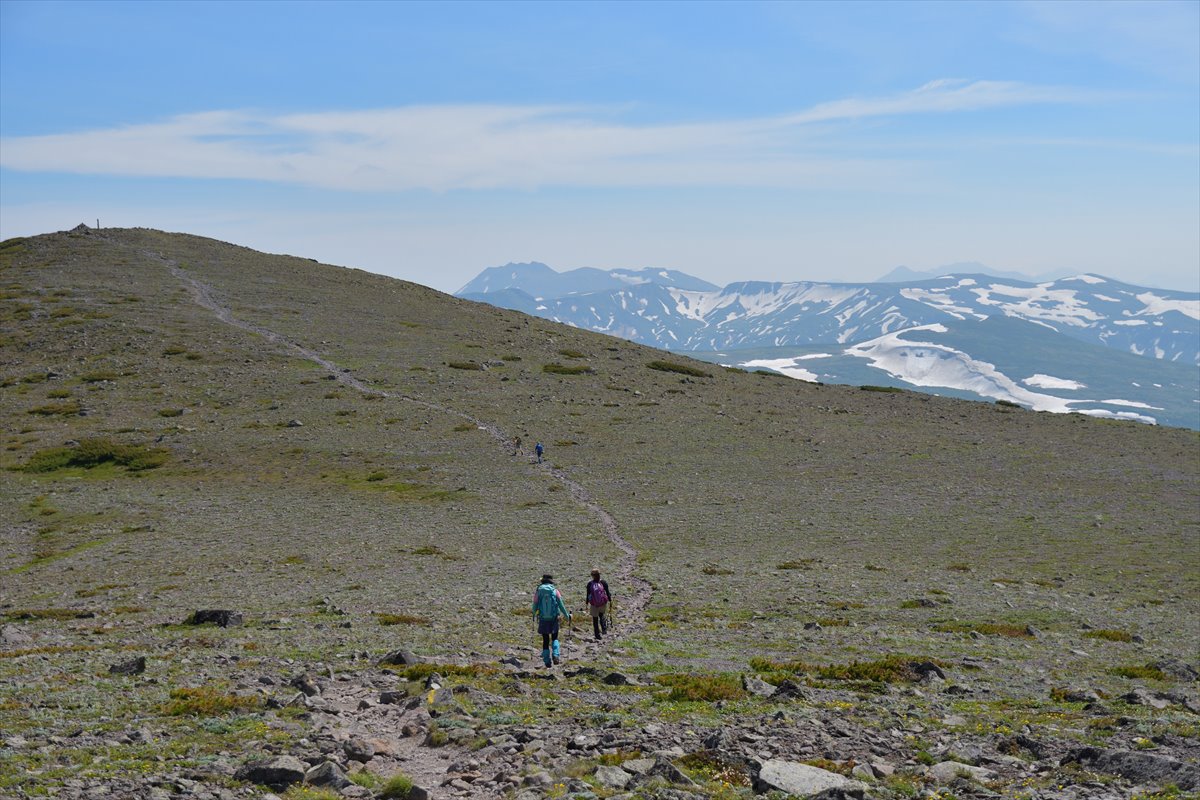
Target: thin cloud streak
(444, 148)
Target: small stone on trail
(134, 666)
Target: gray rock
(757, 686)
(1141, 697)
(612, 777)
(1137, 767)
(1177, 670)
(619, 679)
(221, 617)
(327, 774)
(279, 772)
(392, 696)
(307, 684)
(800, 779)
(638, 766)
(11, 634)
(359, 749)
(134, 666)
(948, 771)
(400, 657)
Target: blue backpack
(547, 601)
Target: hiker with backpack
(547, 606)
(598, 598)
(537, 448)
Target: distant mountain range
(1082, 343)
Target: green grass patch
(1110, 635)
(568, 353)
(419, 672)
(170, 412)
(1147, 672)
(681, 369)
(706, 688)
(713, 569)
(797, 563)
(94, 452)
(67, 409)
(302, 792)
(398, 787)
(470, 366)
(886, 389)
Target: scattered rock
(327, 774)
(279, 772)
(619, 679)
(612, 777)
(1142, 697)
(11, 634)
(800, 779)
(133, 666)
(305, 683)
(223, 618)
(1137, 767)
(947, 771)
(400, 657)
(757, 686)
(359, 749)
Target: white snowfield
(1161, 305)
(1049, 382)
(929, 364)
(787, 366)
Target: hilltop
(815, 584)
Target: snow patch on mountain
(787, 366)
(934, 365)
(1049, 382)
(1161, 305)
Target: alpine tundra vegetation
(272, 527)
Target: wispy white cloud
(495, 146)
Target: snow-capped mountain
(749, 321)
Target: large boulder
(790, 777)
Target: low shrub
(1109, 635)
(888, 389)
(713, 569)
(204, 701)
(567, 353)
(170, 412)
(94, 452)
(797, 563)
(99, 376)
(1007, 404)
(400, 619)
(682, 369)
(1139, 672)
(708, 688)
(562, 369)
(467, 365)
(67, 409)
(986, 628)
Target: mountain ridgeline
(1084, 343)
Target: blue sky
(733, 141)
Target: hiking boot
(598, 637)
(557, 660)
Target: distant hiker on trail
(517, 446)
(537, 448)
(547, 606)
(598, 598)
